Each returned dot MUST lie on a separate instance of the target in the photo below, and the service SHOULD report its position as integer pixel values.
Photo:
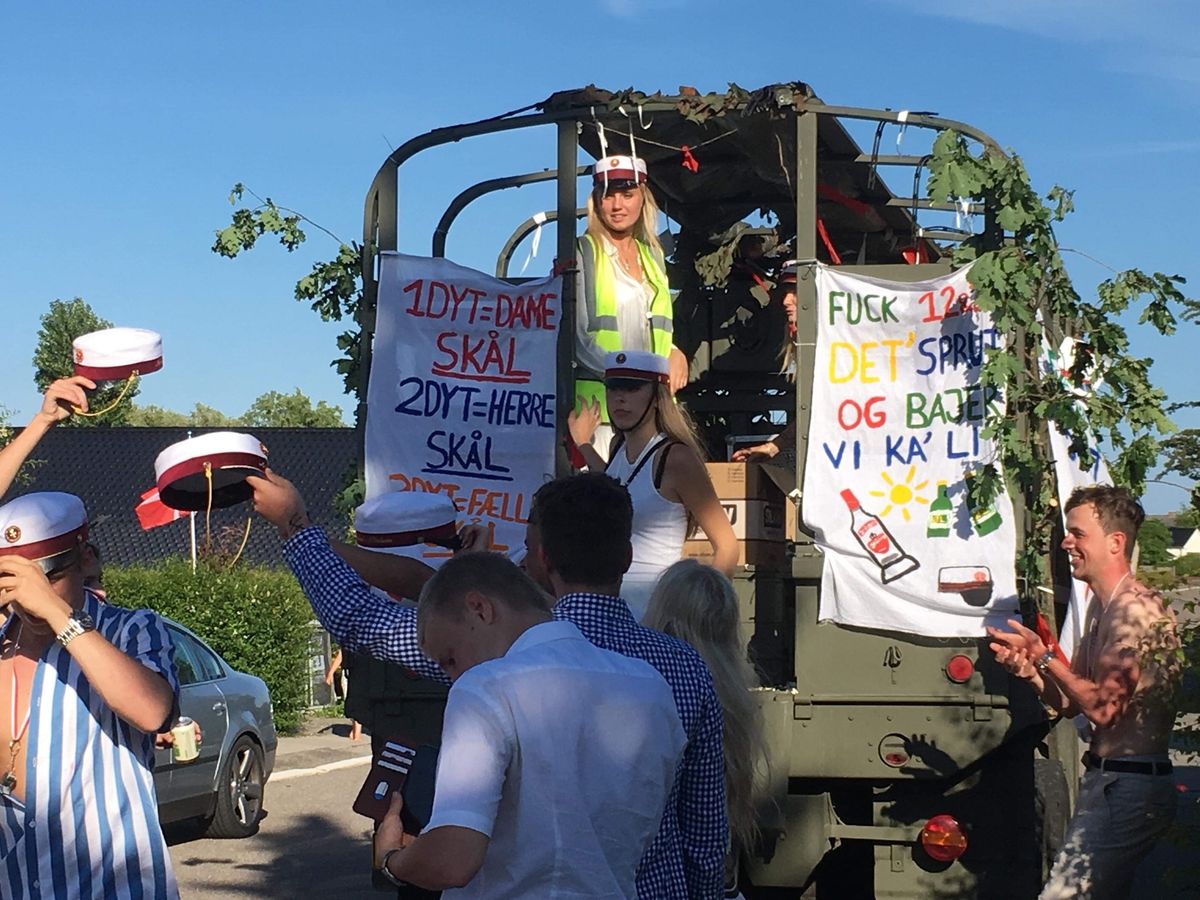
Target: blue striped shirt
(686, 861)
(89, 825)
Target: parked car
(223, 787)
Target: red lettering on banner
(479, 359)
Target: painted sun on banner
(895, 440)
(461, 399)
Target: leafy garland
(1020, 279)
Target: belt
(1134, 767)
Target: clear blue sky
(126, 124)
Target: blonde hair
(646, 229)
(697, 604)
(673, 420)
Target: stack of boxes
(757, 510)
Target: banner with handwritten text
(897, 412)
(462, 392)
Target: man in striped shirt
(84, 686)
(593, 513)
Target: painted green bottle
(941, 512)
(984, 519)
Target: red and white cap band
(116, 353)
(637, 364)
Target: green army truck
(900, 766)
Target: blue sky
(126, 125)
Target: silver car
(223, 787)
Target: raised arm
(57, 405)
(359, 619)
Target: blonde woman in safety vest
(623, 299)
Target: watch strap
(78, 623)
(386, 872)
(1044, 661)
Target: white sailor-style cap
(116, 353)
(43, 527)
(617, 171)
(636, 365)
(181, 469)
(787, 273)
(400, 519)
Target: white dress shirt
(564, 755)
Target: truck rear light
(943, 838)
(960, 668)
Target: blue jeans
(1118, 819)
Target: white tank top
(659, 525)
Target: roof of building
(110, 468)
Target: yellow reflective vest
(600, 296)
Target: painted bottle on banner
(874, 537)
(984, 519)
(941, 514)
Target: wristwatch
(78, 623)
(1044, 661)
(386, 872)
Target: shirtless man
(1121, 681)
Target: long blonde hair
(646, 229)
(673, 420)
(697, 604)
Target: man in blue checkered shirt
(578, 546)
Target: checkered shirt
(686, 859)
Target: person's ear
(1118, 541)
(628, 561)
(479, 607)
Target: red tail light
(960, 669)
(943, 838)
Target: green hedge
(256, 618)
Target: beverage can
(184, 748)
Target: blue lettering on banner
(434, 399)
(952, 351)
(469, 455)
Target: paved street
(309, 843)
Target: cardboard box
(764, 554)
(755, 520)
(752, 481)
(740, 481)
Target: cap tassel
(208, 479)
(245, 538)
(121, 396)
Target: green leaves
(1106, 398)
(333, 288)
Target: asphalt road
(309, 844)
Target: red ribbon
(689, 162)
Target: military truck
(901, 766)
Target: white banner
(897, 412)
(462, 392)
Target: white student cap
(636, 365)
(180, 470)
(618, 171)
(116, 353)
(43, 527)
(787, 273)
(405, 518)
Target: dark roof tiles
(110, 468)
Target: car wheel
(239, 792)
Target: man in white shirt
(557, 757)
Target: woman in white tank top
(656, 457)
